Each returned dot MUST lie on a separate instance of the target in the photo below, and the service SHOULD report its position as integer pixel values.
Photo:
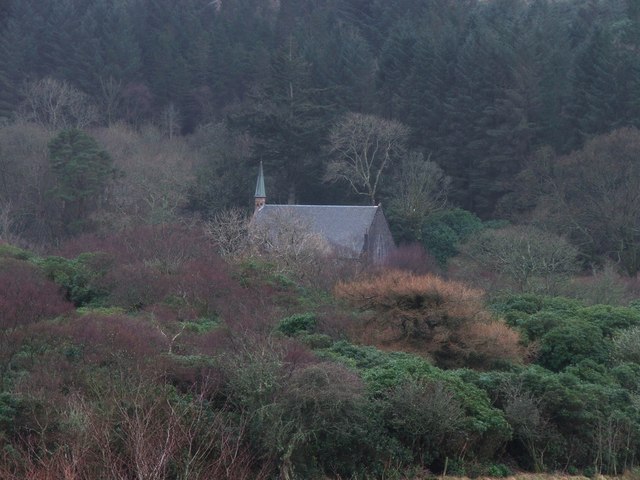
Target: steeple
(260, 196)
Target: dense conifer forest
(147, 331)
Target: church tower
(260, 196)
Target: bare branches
(229, 230)
(363, 147)
(56, 105)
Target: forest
(146, 332)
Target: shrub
(77, 276)
(484, 427)
(411, 258)
(426, 417)
(499, 470)
(626, 345)
(26, 296)
(431, 315)
(11, 251)
(571, 342)
(298, 323)
(523, 258)
(308, 418)
(416, 304)
(443, 231)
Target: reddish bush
(121, 339)
(412, 258)
(153, 265)
(26, 296)
(481, 345)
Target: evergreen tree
(289, 125)
(82, 170)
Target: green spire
(260, 192)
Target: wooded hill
(480, 86)
(143, 332)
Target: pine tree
(82, 170)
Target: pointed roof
(260, 191)
(344, 227)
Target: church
(352, 232)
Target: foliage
(82, 170)
(444, 318)
(298, 323)
(626, 347)
(595, 197)
(77, 277)
(394, 375)
(444, 231)
(194, 384)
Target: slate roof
(344, 227)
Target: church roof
(344, 227)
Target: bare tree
(155, 175)
(526, 257)
(592, 195)
(56, 105)
(7, 222)
(530, 426)
(110, 98)
(170, 120)
(363, 146)
(229, 230)
(420, 188)
(290, 242)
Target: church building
(350, 231)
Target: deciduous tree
(363, 147)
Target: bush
(445, 319)
(10, 251)
(571, 342)
(26, 296)
(521, 258)
(77, 277)
(386, 375)
(499, 470)
(411, 258)
(442, 232)
(298, 323)
(626, 345)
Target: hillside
(145, 354)
(473, 100)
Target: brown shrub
(419, 304)
(426, 314)
(488, 343)
(412, 258)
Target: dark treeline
(480, 84)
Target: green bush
(499, 470)
(383, 373)
(570, 343)
(442, 232)
(9, 409)
(297, 323)
(611, 319)
(76, 276)
(10, 251)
